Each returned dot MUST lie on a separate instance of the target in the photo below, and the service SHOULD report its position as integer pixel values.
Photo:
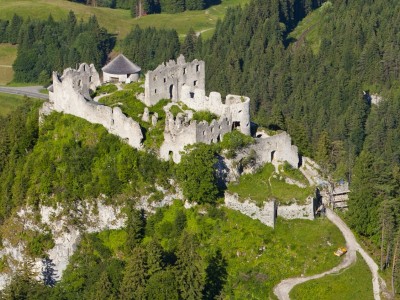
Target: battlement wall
(166, 81)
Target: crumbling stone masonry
(70, 94)
(270, 210)
(166, 81)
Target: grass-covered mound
(308, 30)
(352, 283)
(267, 184)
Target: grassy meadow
(308, 28)
(119, 21)
(266, 184)
(352, 283)
(9, 102)
(8, 53)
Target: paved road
(29, 91)
(283, 289)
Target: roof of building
(121, 65)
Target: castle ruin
(184, 84)
(70, 94)
(167, 80)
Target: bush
(39, 243)
(196, 174)
(234, 141)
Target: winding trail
(283, 289)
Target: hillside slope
(118, 21)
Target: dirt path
(283, 289)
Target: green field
(353, 283)
(119, 21)
(266, 184)
(308, 28)
(9, 102)
(8, 53)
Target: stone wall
(182, 131)
(295, 211)
(166, 81)
(70, 94)
(277, 148)
(270, 211)
(265, 214)
(236, 108)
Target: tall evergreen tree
(190, 273)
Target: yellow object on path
(340, 251)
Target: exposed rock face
(97, 217)
(70, 94)
(154, 119)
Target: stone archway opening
(272, 155)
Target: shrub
(204, 115)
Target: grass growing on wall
(204, 115)
(265, 185)
(352, 283)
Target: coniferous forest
(319, 91)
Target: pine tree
(133, 286)
(135, 227)
(216, 275)
(188, 48)
(189, 267)
(102, 289)
(155, 257)
(163, 286)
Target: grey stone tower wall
(166, 81)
